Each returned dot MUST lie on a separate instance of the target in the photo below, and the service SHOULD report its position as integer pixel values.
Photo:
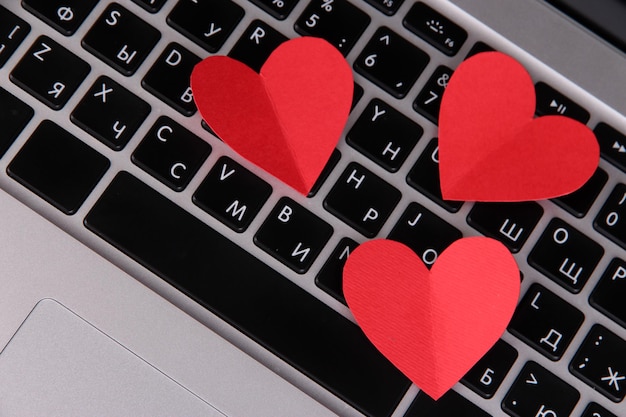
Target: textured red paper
(491, 148)
(432, 325)
(287, 119)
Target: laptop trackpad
(58, 364)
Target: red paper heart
(432, 325)
(491, 148)
(287, 119)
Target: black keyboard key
(328, 168)
(424, 232)
(13, 118)
(66, 16)
(232, 194)
(384, 135)
(428, 101)
(110, 113)
(337, 21)
(546, 322)
(246, 293)
(388, 7)
(451, 404)
(424, 177)
(58, 167)
(538, 393)
(152, 6)
(293, 235)
(510, 223)
(596, 410)
(435, 29)
(13, 30)
(256, 44)
(610, 293)
(169, 76)
(362, 200)
(552, 102)
(580, 201)
(356, 95)
(206, 22)
(565, 255)
(50, 72)
(171, 153)
(604, 17)
(330, 277)
(600, 362)
(612, 145)
(486, 376)
(121, 39)
(610, 220)
(280, 9)
(478, 48)
(206, 127)
(391, 62)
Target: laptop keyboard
(559, 357)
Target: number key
(580, 201)
(337, 21)
(610, 220)
(391, 62)
(280, 9)
(428, 101)
(152, 6)
(388, 7)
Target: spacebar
(246, 293)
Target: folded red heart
(492, 149)
(287, 119)
(432, 325)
